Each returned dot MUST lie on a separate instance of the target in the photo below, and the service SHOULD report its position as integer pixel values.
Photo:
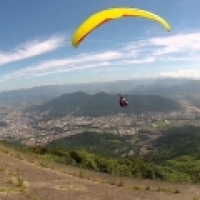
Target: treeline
(135, 167)
(100, 143)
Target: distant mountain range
(163, 87)
(191, 87)
(104, 104)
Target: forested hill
(105, 104)
(176, 142)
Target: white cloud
(177, 44)
(105, 56)
(179, 47)
(140, 61)
(49, 67)
(31, 49)
(181, 74)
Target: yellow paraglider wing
(104, 16)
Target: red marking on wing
(128, 15)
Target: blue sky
(35, 42)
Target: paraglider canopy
(104, 16)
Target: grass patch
(77, 187)
(168, 190)
(42, 164)
(111, 182)
(4, 190)
(137, 187)
(197, 198)
(81, 175)
(61, 187)
(22, 185)
(19, 156)
(148, 187)
(5, 151)
(120, 183)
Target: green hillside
(105, 144)
(179, 149)
(174, 156)
(178, 141)
(105, 104)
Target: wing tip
(74, 44)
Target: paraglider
(104, 16)
(122, 101)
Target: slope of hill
(175, 158)
(176, 142)
(174, 155)
(30, 176)
(42, 179)
(105, 144)
(178, 149)
(105, 104)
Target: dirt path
(38, 182)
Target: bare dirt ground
(26, 177)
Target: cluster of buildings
(31, 129)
